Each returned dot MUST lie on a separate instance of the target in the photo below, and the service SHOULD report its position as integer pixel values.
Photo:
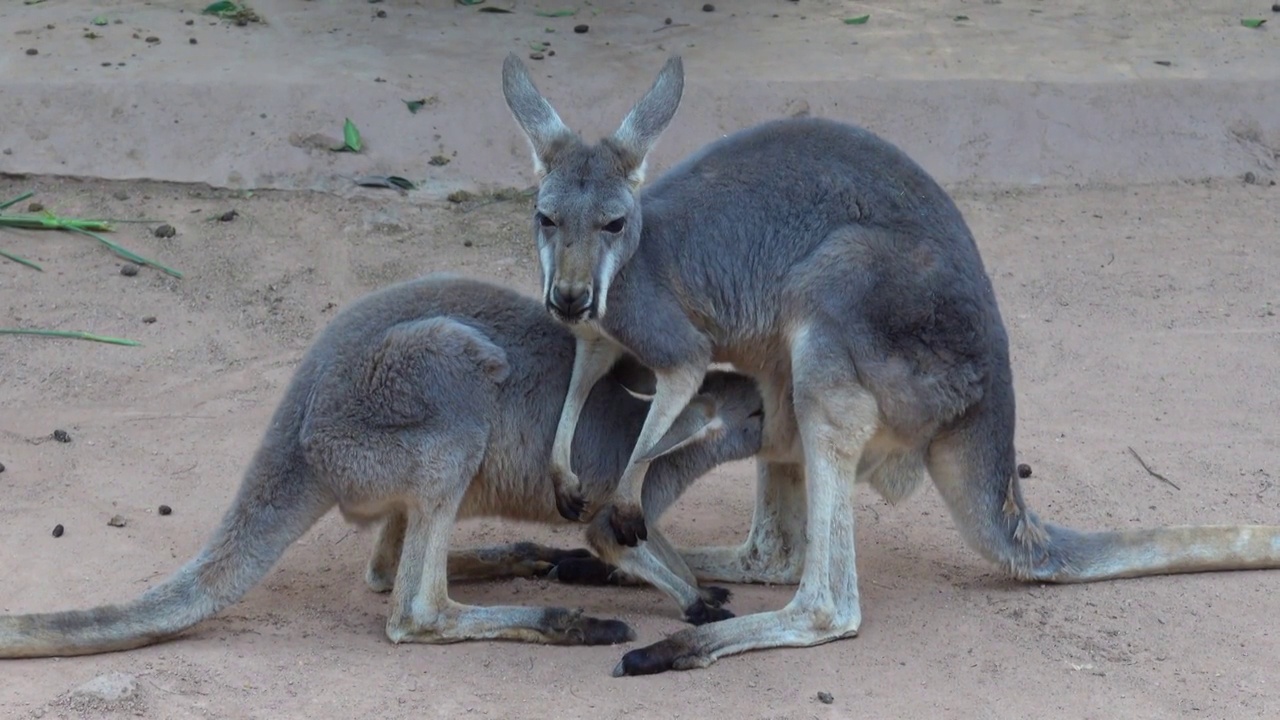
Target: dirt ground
(1142, 316)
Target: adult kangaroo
(422, 402)
(823, 261)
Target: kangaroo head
(587, 216)
(726, 418)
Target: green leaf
(1252, 22)
(100, 20)
(222, 7)
(556, 13)
(860, 20)
(414, 105)
(492, 9)
(350, 138)
(73, 334)
(20, 260)
(470, 2)
(537, 46)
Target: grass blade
(555, 13)
(72, 334)
(126, 254)
(15, 201)
(351, 136)
(20, 260)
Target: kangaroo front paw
(582, 571)
(715, 596)
(701, 613)
(569, 500)
(627, 522)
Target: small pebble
(165, 510)
(120, 195)
(826, 698)
(1024, 471)
(117, 521)
(581, 28)
(536, 56)
(148, 320)
(62, 436)
(35, 207)
(153, 40)
(1, 467)
(708, 8)
(382, 13)
(32, 51)
(1250, 178)
(191, 22)
(165, 231)
(228, 216)
(58, 530)
(1275, 8)
(128, 269)
(193, 41)
(467, 243)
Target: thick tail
(275, 505)
(1074, 556)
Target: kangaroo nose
(570, 303)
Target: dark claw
(700, 613)
(656, 658)
(715, 596)
(570, 505)
(582, 571)
(628, 525)
(605, 632)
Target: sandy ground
(1142, 315)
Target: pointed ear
(542, 127)
(638, 380)
(641, 128)
(696, 422)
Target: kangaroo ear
(543, 128)
(698, 420)
(641, 128)
(638, 380)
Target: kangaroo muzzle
(571, 302)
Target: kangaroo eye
(545, 221)
(615, 226)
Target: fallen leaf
(492, 9)
(386, 181)
(556, 13)
(350, 138)
(860, 20)
(221, 7)
(470, 2)
(414, 105)
(100, 20)
(1252, 22)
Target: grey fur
(422, 402)
(824, 262)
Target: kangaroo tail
(274, 506)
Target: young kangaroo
(421, 402)
(821, 260)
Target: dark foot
(700, 613)
(570, 504)
(627, 522)
(571, 627)
(664, 655)
(715, 596)
(582, 571)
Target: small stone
(128, 269)
(1250, 178)
(826, 698)
(149, 320)
(58, 530)
(35, 207)
(382, 13)
(1, 467)
(666, 21)
(62, 436)
(1024, 471)
(153, 40)
(708, 8)
(228, 216)
(580, 29)
(164, 231)
(32, 51)
(459, 196)
(120, 195)
(536, 56)
(441, 160)
(191, 22)
(467, 243)
(110, 688)
(117, 521)
(193, 41)
(1275, 7)
(165, 510)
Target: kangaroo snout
(571, 302)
